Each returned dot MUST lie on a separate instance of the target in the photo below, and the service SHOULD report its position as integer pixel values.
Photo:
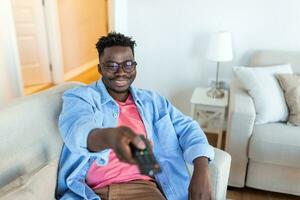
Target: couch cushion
(275, 143)
(38, 185)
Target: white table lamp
(219, 50)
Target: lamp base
(215, 93)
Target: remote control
(145, 159)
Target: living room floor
(92, 75)
(254, 194)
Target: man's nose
(121, 70)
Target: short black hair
(114, 39)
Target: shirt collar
(134, 94)
(105, 96)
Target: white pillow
(262, 85)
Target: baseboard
(79, 70)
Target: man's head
(117, 64)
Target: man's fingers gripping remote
(145, 158)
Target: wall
(172, 38)
(81, 24)
(10, 76)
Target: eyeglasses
(112, 67)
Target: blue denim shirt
(176, 139)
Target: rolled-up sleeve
(191, 137)
(76, 121)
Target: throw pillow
(290, 84)
(262, 85)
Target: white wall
(10, 76)
(172, 37)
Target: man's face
(117, 81)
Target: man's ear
(99, 69)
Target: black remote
(145, 159)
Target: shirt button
(115, 115)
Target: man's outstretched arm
(117, 139)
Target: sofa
(30, 146)
(265, 156)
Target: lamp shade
(220, 47)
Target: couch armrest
(241, 117)
(219, 173)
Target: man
(98, 122)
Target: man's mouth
(121, 83)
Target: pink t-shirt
(116, 171)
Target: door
(32, 41)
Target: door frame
(118, 16)
(54, 41)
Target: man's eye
(128, 63)
(112, 65)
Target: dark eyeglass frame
(114, 69)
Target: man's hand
(117, 139)
(200, 186)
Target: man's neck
(119, 96)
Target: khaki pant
(137, 190)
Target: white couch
(30, 146)
(264, 156)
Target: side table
(209, 112)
